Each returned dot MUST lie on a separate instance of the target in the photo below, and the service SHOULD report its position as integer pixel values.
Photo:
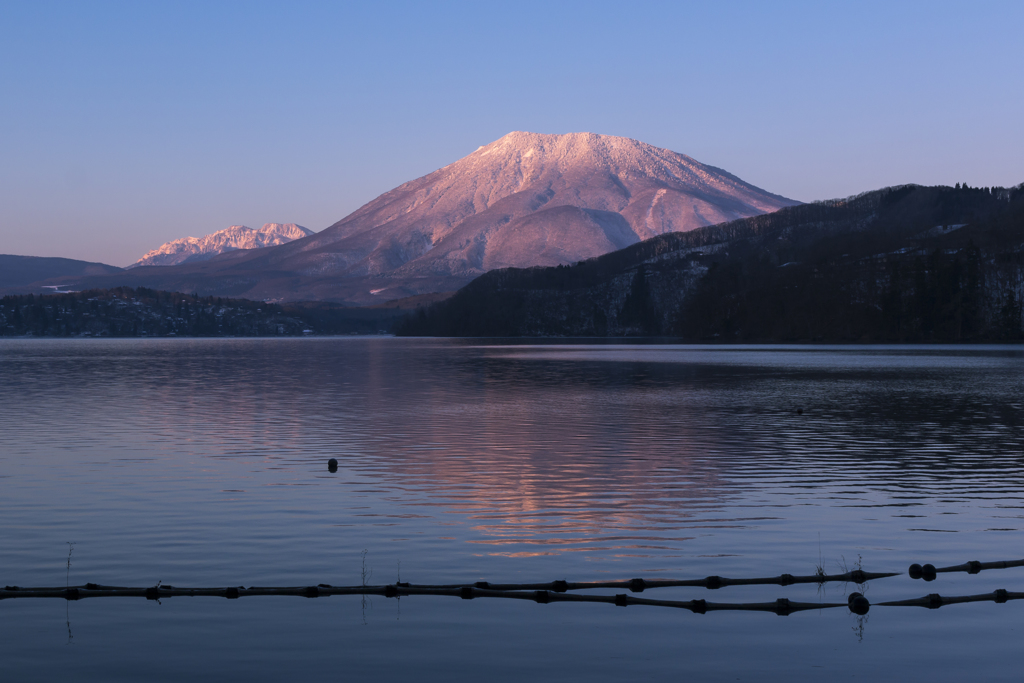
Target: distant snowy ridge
(191, 249)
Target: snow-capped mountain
(189, 249)
(524, 200)
(529, 199)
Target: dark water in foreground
(202, 462)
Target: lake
(203, 462)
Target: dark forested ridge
(18, 272)
(902, 264)
(141, 312)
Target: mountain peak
(571, 145)
(190, 249)
(528, 199)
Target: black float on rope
(858, 604)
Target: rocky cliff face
(191, 249)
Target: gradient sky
(127, 124)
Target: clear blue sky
(127, 124)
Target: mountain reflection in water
(204, 462)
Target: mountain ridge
(905, 264)
(19, 273)
(191, 249)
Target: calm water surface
(203, 462)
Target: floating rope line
(160, 592)
(711, 582)
(634, 585)
(557, 591)
(856, 602)
(928, 571)
(935, 601)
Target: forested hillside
(141, 312)
(902, 264)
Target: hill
(901, 264)
(20, 272)
(140, 312)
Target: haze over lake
(202, 462)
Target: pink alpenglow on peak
(529, 199)
(526, 199)
(191, 249)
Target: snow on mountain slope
(190, 249)
(490, 209)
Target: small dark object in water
(799, 411)
(332, 465)
(916, 571)
(858, 604)
(928, 572)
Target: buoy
(858, 604)
(916, 571)
(928, 572)
(799, 411)
(332, 465)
